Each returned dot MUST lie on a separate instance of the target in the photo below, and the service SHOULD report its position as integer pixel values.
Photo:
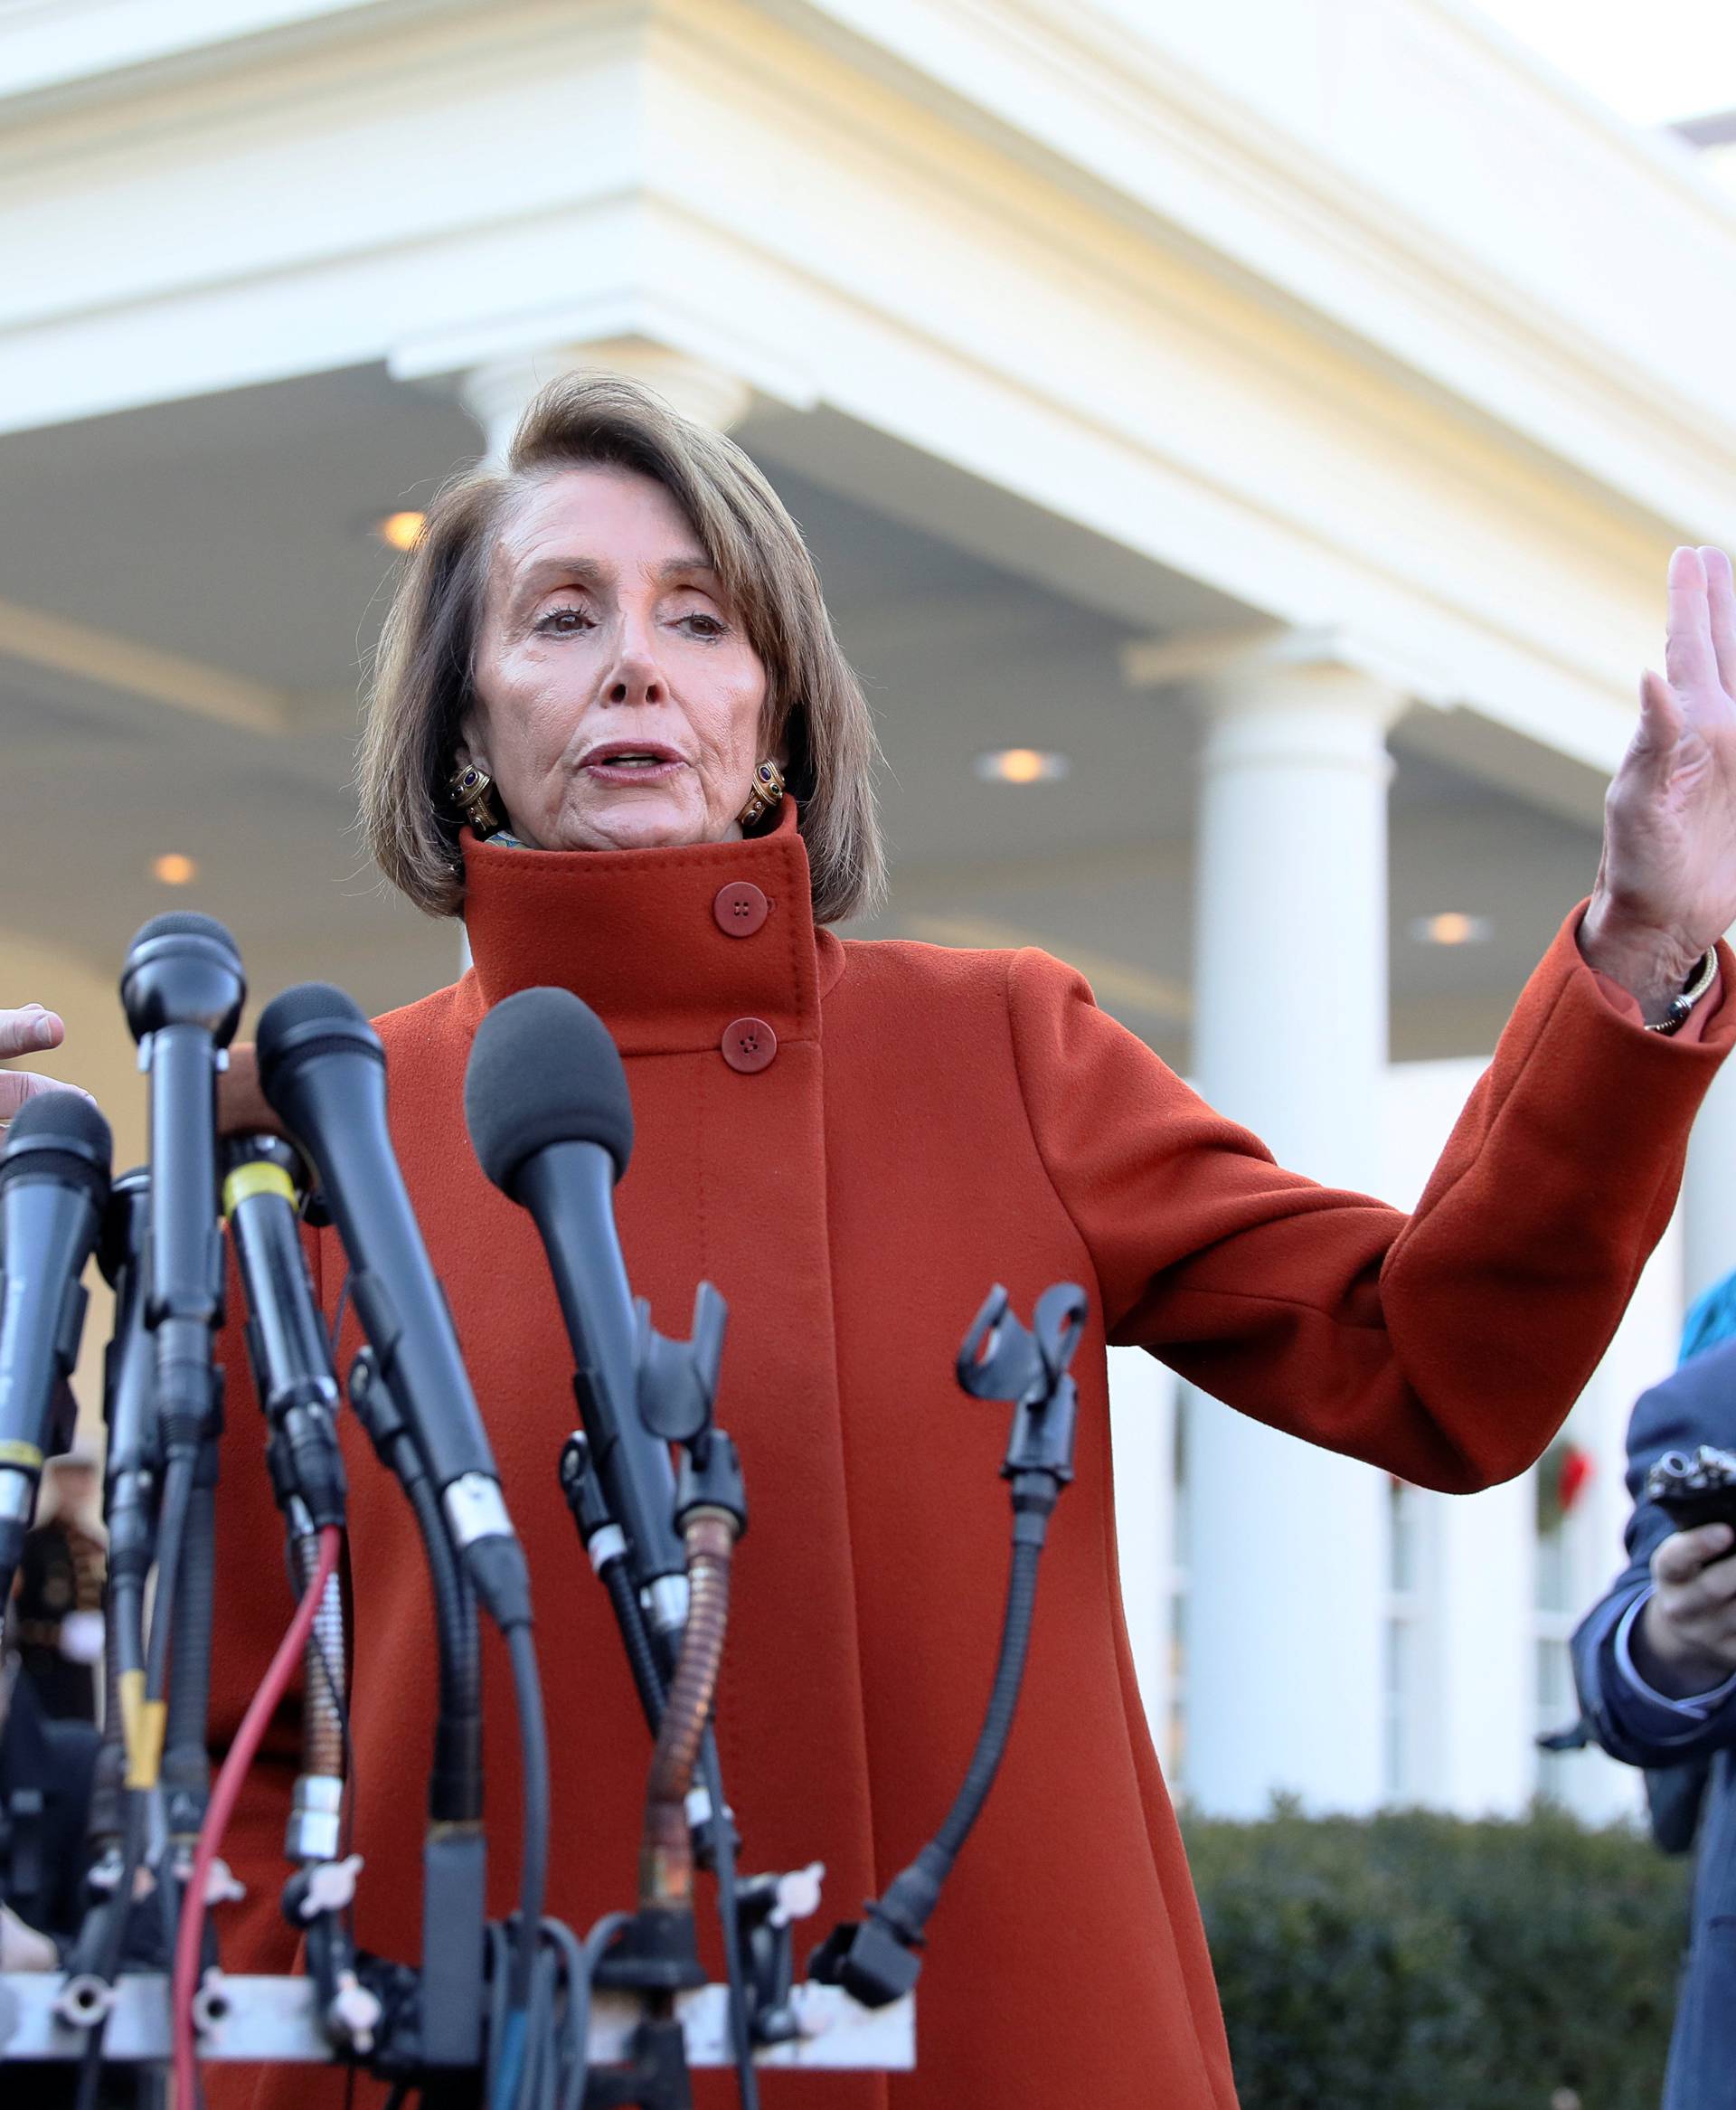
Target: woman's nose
(636, 676)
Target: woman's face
(617, 700)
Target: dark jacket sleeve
(1696, 1405)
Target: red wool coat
(930, 1123)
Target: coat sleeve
(1446, 1346)
(1697, 1406)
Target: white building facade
(1284, 412)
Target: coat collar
(637, 934)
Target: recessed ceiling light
(400, 531)
(1450, 927)
(174, 869)
(1023, 765)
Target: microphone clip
(678, 1392)
(677, 1379)
(1030, 1369)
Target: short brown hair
(425, 667)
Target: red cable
(247, 1738)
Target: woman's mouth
(631, 765)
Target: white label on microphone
(474, 1509)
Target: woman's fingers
(1689, 658)
(29, 1031)
(1720, 603)
(1660, 724)
(241, 1108)
(18, 1086)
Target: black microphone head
(311, 1020)
(182, 969)
(544, 1069)
(62, 1136)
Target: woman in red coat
(592, 655)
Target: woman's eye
(563, 622)
(703, 624)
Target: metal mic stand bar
(276, 2021)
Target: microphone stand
(182, 988)
(293, 1377)
(121, 1929)
(677, 1382)
(454, 1849)
(186, 1761)
(878, 1959)
(130, 1414)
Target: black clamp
(677, 1393)
(1002, 1359)
(766, 1909)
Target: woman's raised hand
(32, 1031)
(1667, 884)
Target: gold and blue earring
(766, 797)
(474, 790)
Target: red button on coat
(739, 908)
(749, 1045)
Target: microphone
(53, 1189)
(546, 1103)
(323, 1071)
(286, 1336)
(130, 1463)
(181, 988)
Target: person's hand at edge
(1684, 1639)
(28, 1032)
(1666, 881)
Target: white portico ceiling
(1256, 296)
(234, 531)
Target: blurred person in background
(57, 1600)
(55, 1621)
(1655, 1665)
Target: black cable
(747, 2079)
(554, 2072)
(338, 1311)
(579, 1986)
(454, 1794)
(641, 1656)
(991, 1745)
(172, 1524)
(534, 1760)
(186, 1767)
(878, 1959)
(112, 1942)
(911, 1895)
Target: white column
(1288, 1544)
(1142, 1435)
(1708, 1189)
(1479, 1630)
(497, 393)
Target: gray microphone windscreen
(290, 1025)
(62, 1129)
(544, 1069)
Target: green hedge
(1413, 1962)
